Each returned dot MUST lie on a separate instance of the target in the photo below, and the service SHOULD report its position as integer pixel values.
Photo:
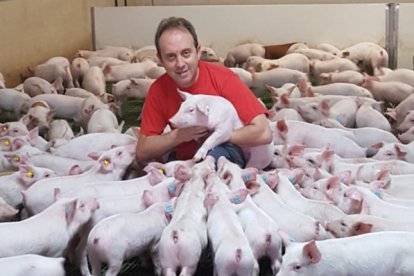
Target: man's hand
(187, 134)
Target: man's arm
(257, 132)
(150, 147)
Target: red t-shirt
(163, 101)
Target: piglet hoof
(200, 155)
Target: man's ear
(198, 51)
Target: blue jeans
(231, 151)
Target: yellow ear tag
(106, 162)
(16, 158)
(6, 143)
(4, 129)
(161, 171)
(30, 174)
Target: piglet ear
(203, 108)
(253, 187)
(239, 196)
(249, 174)
(209, 200)
(75, 169)
(361, 228)
(183, 94)
(311, 251)
(93, 155)
(70, 209)
(147, 198)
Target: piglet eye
(119, 153)
(190, 109)
(297, 267)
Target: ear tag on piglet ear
(247, 177)
(236, 199)
(6, 143)
(4, 129)
(169, 209)
(293, 180)
(29, 174)
(339, 120)
(16, 158)
(161, 171)
(377, 193)
(172, 188)
(68, 209)
(106, 162)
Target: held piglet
(380, 254)
(219, 115)
(47, 233)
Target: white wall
(226, 26)
(406, 38)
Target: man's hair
(174, 22)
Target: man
(179, 52)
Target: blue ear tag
(169, 209)
(247, 177)
(292, 180)
(339, 120)
(68, 208)
(378, 194)
(237, 199)
(172, 188)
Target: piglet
(78, 67)
(33, 265)
(56, 226)
(104, 120)
(131, 88)
(239, 54)
(34, 86)
(219, 115)
(110, 166)
(260, 229)
(382, 254)
(136, 233)
(358, 224)
(232, 252)
(14, 101)
(90, 146)
(6, 211)
(119, 52)
(182, 242)
(16, 128)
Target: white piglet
(33, 265)
(380, 254)
(219, 115)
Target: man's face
(179, 56)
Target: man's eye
(186, 54)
